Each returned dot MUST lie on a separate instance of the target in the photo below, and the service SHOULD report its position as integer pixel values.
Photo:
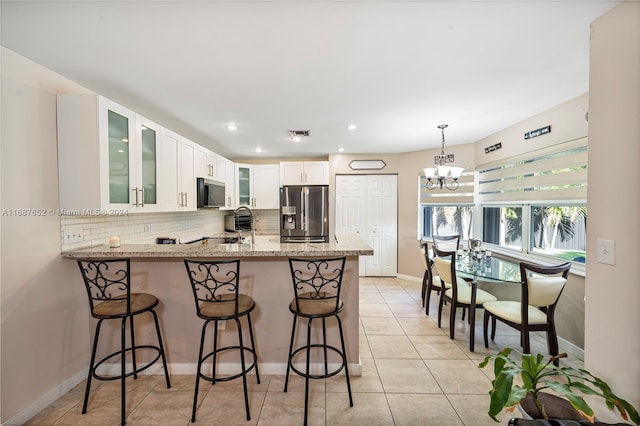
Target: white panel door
(367, 205)
(374, 220)
(350, 196)
(389, 228)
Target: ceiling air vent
(298, 133)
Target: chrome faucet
(252, 222)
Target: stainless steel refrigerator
(304, 214)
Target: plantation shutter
(554, 173)
(462, 195)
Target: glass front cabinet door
(107, 158)
(244, 188)
(131, 159)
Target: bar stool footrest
(130, 373)
(227, 378)
(317, 376)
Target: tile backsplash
(144, 228)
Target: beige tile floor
(413, 374)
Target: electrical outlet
(73, 234)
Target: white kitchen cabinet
(187, 199)
(230, 184)
(107, 157)
(304, 173)
(206, 163)
(178, 181)
(258, 185)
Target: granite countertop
(264, 246)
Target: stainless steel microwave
(210, 193)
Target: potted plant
(569, 385)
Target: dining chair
(429, 281)
(432, 282)
(541, 289)
(459, 295)
(446, 242)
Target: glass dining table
(489, 269)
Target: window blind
(462, 195)
(554, 173)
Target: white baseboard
(409, 278)
(570, 348)
(47, 399)
(268, 369)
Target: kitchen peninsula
(264, 274)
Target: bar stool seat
(108, 286)
(317, 284)
(216, 293)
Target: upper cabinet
(177, 180)
(107, 157)
(258, 185)
(230, 181)
(113, 161)
(304, 173)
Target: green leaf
(500, 393)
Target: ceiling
(396, 69)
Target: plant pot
(555, 406)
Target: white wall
(612, 321)
(45, 336)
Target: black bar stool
(108, 283)
(215, 291)
(317, 284)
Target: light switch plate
(606, 251)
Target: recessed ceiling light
(352, 127)
(258, 149)
(231, 126)
(296, 139)
(341, 149)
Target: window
(447, 220)
(559, 231)
(535, 203)
(502, 226)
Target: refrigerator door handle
(303, 216)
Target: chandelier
(441, 175)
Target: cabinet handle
(135, 191)
(228, 201)
(142, 202)
(305, 177)
(181, 202)
(186, 200)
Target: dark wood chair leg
(485, 331)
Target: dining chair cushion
(512, 311)
(227, 308)
(140, 302)
(437, 282)
(309, 305)
(544, 291)
(464, 295)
